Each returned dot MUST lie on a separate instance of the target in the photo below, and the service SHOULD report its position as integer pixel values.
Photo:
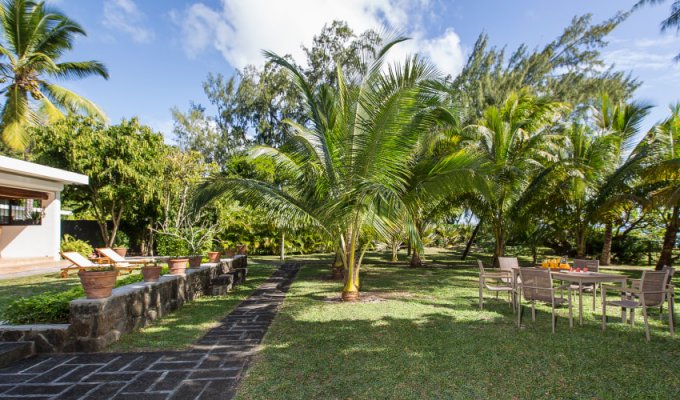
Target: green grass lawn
(12, 289)
(427, 339)
(178, 330)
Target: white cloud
(124, 16)
(240, 30)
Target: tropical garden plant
(34, 37)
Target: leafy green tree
(513, 142)
(673, 20)
(34, 39)
(569, 69)
(124, 163)
(348, 163)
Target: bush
(168, 245)
(69, 243)
(122, 240)
(47, 308)
(53, 308)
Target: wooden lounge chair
(537, 285)
(593, 266)
(493, 280)
(78, 262)
(652, 291)
(112, 257)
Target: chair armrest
(493, 275)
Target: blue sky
(159, 52)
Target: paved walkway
(210, 370)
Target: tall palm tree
(622, 121)
(512, 141)
(663, 176)
(349, 161)
(34, 38)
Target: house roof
(39, 171)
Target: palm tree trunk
(606, 256)
(337, 266)
(580, 241)
(669, 239)
(282, 253)
(350, 290)
(472, 239)
(499, 249)
(416, 261)
(395, 249)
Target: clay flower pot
(151, 273)
(122, 251)
(214, 256)
(178, 266)
(195, 261)
(98, 284)
(229, 253)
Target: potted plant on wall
(178, 266)
(151, 272)
(98, 282)
(121, 244)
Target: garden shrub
(69, 243)
(53, 308)
(168, 245)
(122, 240)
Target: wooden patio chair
(651, 292)
(593, 266)
(635, 283)
(493, 280)
(507, 264)
(112, 257)
(79, 262)
(537, 286)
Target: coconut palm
(663, 176)
(34, 39)
(348, 163)
(512, 140)
(622, 121)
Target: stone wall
(96, 323)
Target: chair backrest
(593, 265)
(579, 263)
(508, 263)
(77, 259)
(481, 266)
(536, 283)
(111, 255)
(652, 285)
(671, 272)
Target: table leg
(580, 303)
(623, 295)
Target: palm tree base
(337, 272)
(350, 296)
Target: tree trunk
(669, 239)
(337, 266)
(606, 256)
(472, 239)
(408, 247)
(580, 242)
(282, 253)
(499, 249)
(416, 261)
(350, 290)
(395, 250)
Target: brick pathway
(210, 370)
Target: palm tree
(348, 163)
(663, 175)
(512, 140)
(622, 121)
(673, 20)
(34, 38)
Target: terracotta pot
(229, 253)
(242, 249)
(178, 266)
(98, 284)
(122, 251)
(195, 261)
(151, 273)
(214, 256)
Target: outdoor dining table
(579, 278)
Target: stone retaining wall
(96, 323)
